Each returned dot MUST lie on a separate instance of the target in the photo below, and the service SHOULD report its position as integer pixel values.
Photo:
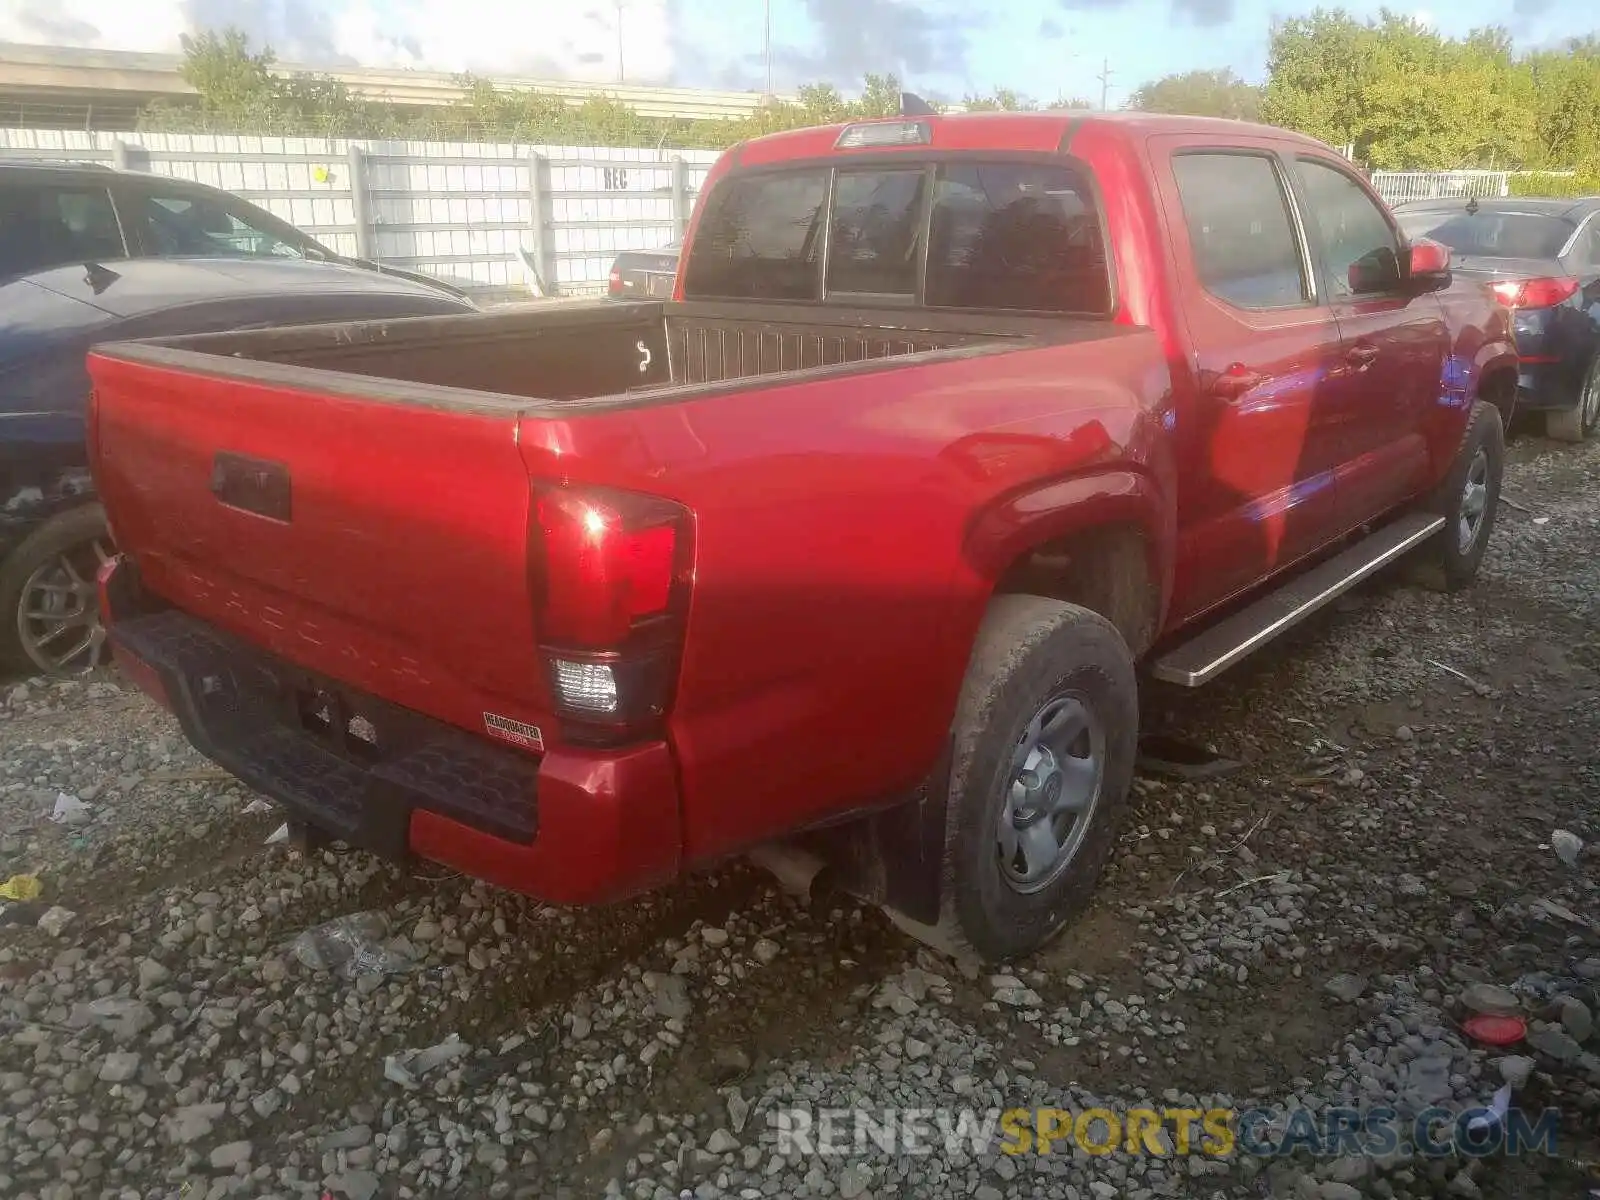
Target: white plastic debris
(1567, 846)
(351, 946)
(69, 810)
(257, 806)
(410, 1066)
(280, 834)
(1495, 1114)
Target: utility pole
(621, 75)
(767, 45)
(1105, 82)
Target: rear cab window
(961, 233)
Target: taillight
(614, 283)
(611, 587)
(1533, 293)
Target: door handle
(1234, 382)
(1362, 356)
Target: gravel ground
(1310, 930)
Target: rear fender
(1014, 524)
(893, 857)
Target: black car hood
(49, 320)
(130, 287)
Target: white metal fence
(458, 210)
(1398, 186)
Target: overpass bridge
(56, 87)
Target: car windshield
(1490, 234)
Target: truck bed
(569, 352)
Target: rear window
(1490, 234)
(760, 239)
(876, 235)
(1017, 236)
(1000, 236)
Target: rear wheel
(1578, 423)
(48, 596)
(1042, 759)
(1467, 499)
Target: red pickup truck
(852, 546)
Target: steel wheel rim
(58, 613)
(1474, 502)
(1051, 792)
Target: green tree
(1404, 96)
(1200, 94)
(1000, 100)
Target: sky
(1047, 49)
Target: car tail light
(614, 283)
(612, 573)
(1533, 293)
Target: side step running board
(1217, 648)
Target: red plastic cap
(1429, 257)
(1534, 293)
(610, 560)
(1495, 1030)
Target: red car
(853, 546)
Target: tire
(56, 556)
(1451, 559)
(1578, 423)
(1036, 662)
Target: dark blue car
(1542, 259)
(90, 255)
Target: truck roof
(1037, 132)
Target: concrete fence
(459, 210)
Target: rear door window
(43, 226)
(761, 238)
(1240, 232)
(1021, 236)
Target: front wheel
(1468, 499)
(48, 594)
(1042, 758)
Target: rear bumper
(573, 827)
(1546, 385)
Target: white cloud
(565, 37)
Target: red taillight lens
(1533, 293)
(609, 562)
(611, 582)
(614, 283)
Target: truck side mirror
(1429, 265)
(1375, 272)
